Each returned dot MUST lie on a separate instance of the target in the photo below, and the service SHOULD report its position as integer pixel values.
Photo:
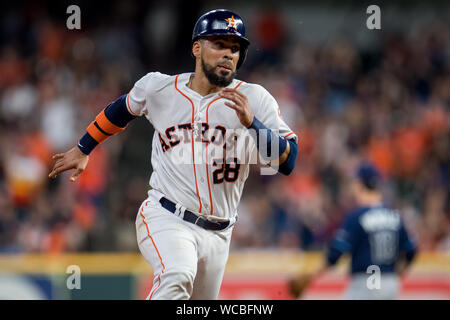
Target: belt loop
(232, 221)
(198, 218)
(179, 210)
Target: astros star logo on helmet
(231, 22)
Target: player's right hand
(72, 159)
(298, 285)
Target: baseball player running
(375, 237)
(208, 126)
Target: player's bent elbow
(288, 166)
(410, 255)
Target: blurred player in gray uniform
(375, 237)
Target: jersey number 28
(228, 171)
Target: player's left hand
(240, 105)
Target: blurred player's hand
(298, 285)
(72, 159)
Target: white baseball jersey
(190, 132)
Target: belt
(194, 218)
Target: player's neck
(370, 199)
(200, 84)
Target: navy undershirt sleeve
(117, 112)
(265, 148)
(289, 164)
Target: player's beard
(214, 78)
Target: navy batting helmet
(222, 22)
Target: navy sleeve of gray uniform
(406, 245)
(345, 239)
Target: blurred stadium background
(350, 94)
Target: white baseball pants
(188, 261)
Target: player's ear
(196, 49)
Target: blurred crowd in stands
(389, 105)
